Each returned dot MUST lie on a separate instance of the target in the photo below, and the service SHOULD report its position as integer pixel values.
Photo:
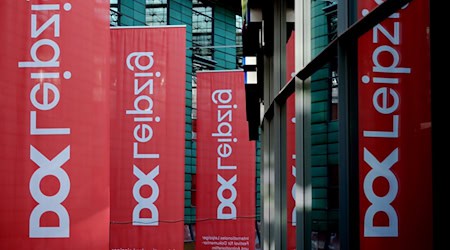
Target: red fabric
(225, 163)
(147, 137)
(395, 131)
(290, 157)
(54, 129)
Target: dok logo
(380, 203)
(146, 203)
(49, 203)
(226, 204)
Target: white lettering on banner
(293, 213)
(385, 101)
(381, 204)
(143, 105)
(226, 203)
(223, 135)
(44, 97)
(146, 203)
(294, 173)
(49, 203)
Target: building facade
(326, 33)
(340, 202)
(213, 42)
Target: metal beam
(357, 29)
(348, 131)
(274, 167)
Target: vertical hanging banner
(290, 147)
(54, 129)
(225, 164)
(395, 130)
(147, 137)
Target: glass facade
(239, 48)
(114, 13)
(156, 12)
(202, 36)
(336, 191)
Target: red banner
(290, 146)
(54, 129)
(147, 137)
(395, 130)
(225, 164)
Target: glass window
(114, 13)
(330, 11)
(324, 133)
(239, 49)
(156, 12)
(202, 39)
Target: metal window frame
(150, 6)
